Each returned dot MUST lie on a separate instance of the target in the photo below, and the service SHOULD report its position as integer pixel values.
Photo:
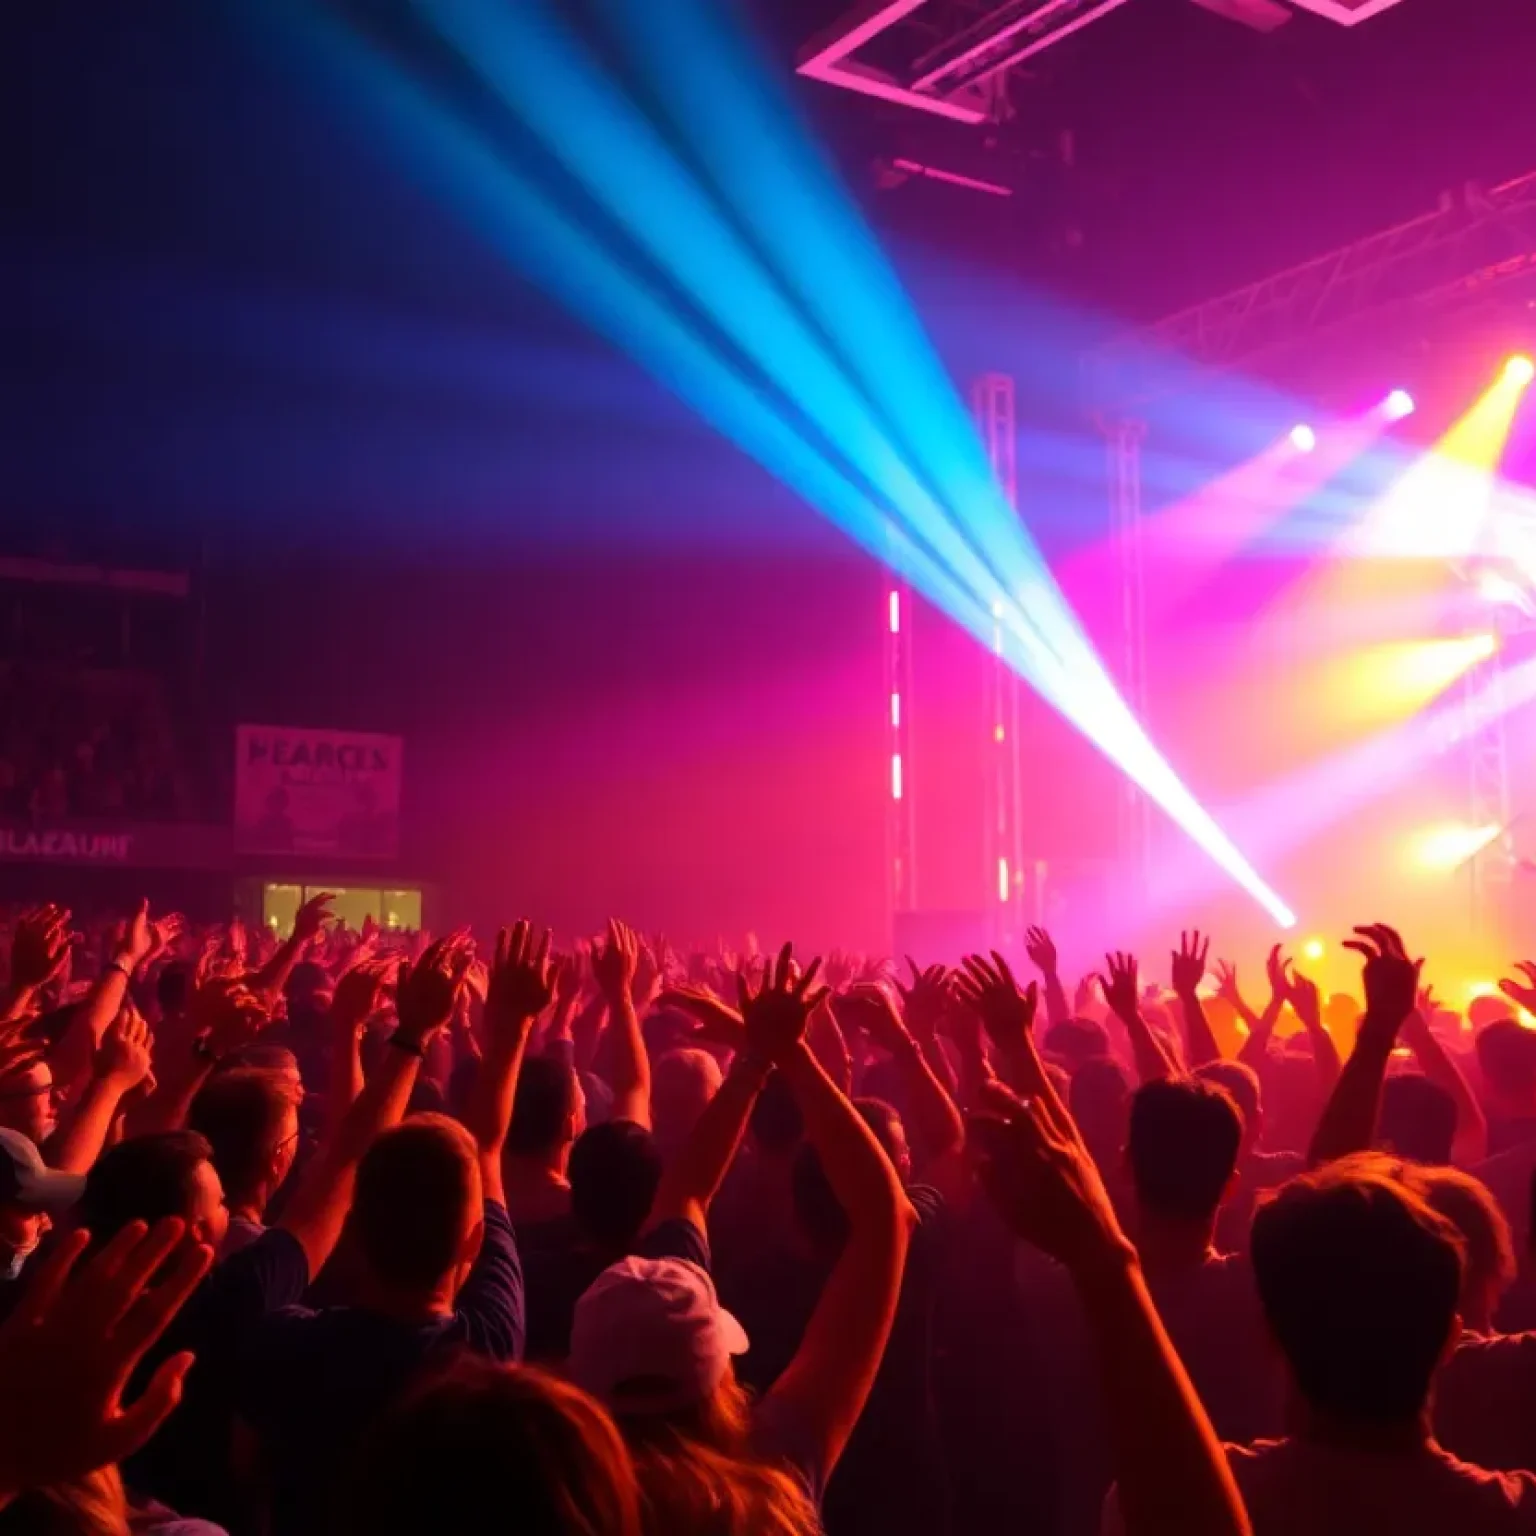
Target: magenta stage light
(1398, 404)
(1303, 438)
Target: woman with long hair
(652, 1341)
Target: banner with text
(328, 793)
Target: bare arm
(1188, 972)
(519, 991)
(270, 980)
(121, 1065)
(1172, 1473)
(1153, 1063)
(1041, 949)
(1260, 1026)
(693, 1178)
(629, 1067)
(827, 1383)
(1348, 1121)
(1307, 1006)
(1439, 1066)
(318, 1209)
(75, 1051)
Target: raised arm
(629, 1068)
(1041, 949)
(520, 989)
(310, 919)
(693, 1178)
(1188, 972)
(936, 1123)
(39, 953)
(223, 1016)
(1439, 1066)
(1260, 1026)
(1348, 1121)
(121, 1064)
(1123, 995)
(826, 1384)
(1301, 994)
(102, 1003)
(319, 1205)
(1172, 1473)
(358, 996)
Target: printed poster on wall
(327, 793)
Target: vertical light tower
(901, 845)
(1124, 437)
(992, 401)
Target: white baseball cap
(650, 1335)
(27, 1182)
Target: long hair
(698, 1474)
(92, 1505)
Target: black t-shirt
(310, 1382)
(891, 1475)
(187, 1464)
(561, 1265)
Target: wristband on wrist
(749, 1061)
(117, 965)
(410, 1047)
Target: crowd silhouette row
(375, 1232)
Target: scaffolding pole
(992, 400)
(901, 843)
(1123, 438)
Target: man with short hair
(548, 1115)
(250, 1119)
(437, 1263)
(1182, 1150)
(1360, 1282)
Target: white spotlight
(1303, 438)
(1398, 404)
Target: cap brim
(48, 1190)
(733, 1334)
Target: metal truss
(1476, 241)
(1124, 437)
(992, 400)
(901, 841)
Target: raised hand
(1226, 983)
(1301, 994)
(1391, 978)
(39, 947)
(362, 991)
(650, 972)
(1426, 1004)
(312, 917)
(1275, 968)
(927, 1000)
(1006, 1010)
(873, 1010)
(74, 1339)
(428, 989)
(164, 932)
(1119, 985)
(1042, 1180)
(137, 940)
(123, 1058)
(521, 985)
(1523, 996)
(566, 978)
(1041, 949)
(227, 1015)
(615, 962)
(718, 1021)
(775, 1015)
(1189, 962)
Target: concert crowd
(373, 1232)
